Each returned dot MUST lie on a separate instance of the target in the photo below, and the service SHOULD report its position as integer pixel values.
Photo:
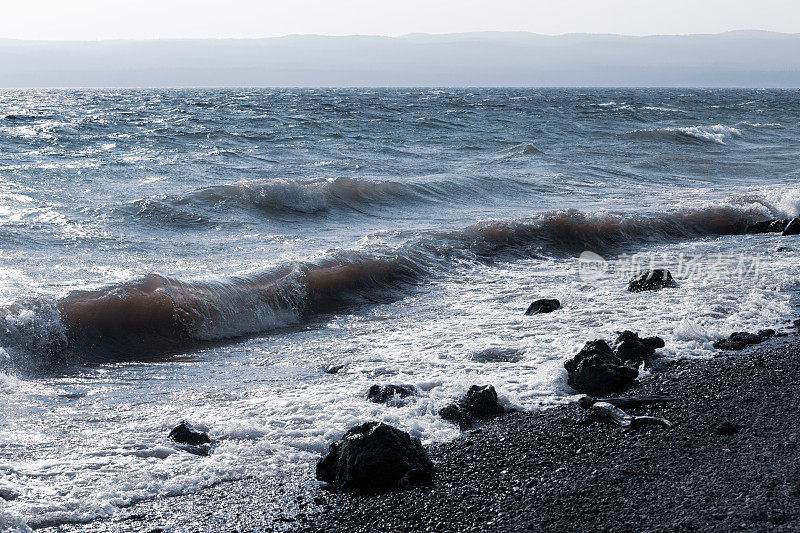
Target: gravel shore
(563, 470)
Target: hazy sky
(146, 19)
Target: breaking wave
(157, 314)
(717, 134)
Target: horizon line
(410, 35)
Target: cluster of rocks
(600, 368)
(783, 226)
(375, 457)
(649, 280)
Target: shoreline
(561, 469)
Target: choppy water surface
(202, 254)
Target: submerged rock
(545, 305)
(630, 348)
(374, 457)
(477, 402)
(742, 339)
(390, 393)
(792, 228)
(185, 433)
(8, 493)
(497, 355)
(333, 369)
(597, 370)
(651, 280)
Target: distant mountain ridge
(733, 59)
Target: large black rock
(545, 305)
(597, 370)
(632, 349)
(792, 228)
(740, 340)
(768, 226)
(392, 394)
(651, 280)
(480, 401)
(185, 433)
(374, 457)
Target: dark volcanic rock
(185, 433)
(481, 401)
(191, 439)
(768, 226)
(333, 369)
(630, 348)
(545, 305)
(374, 457)
(596, 370)
(456, 414)
(792, 228)
(741, 339)
(651, 280)
(390, 393)
(477, 402)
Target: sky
(149, 19)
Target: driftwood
(626, 402)
(623, 419)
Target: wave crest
(717, 133)
(306, 197)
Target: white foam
(30, 328)
(660, 108)
(8, 383)
(690, 331)
(786, 201)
